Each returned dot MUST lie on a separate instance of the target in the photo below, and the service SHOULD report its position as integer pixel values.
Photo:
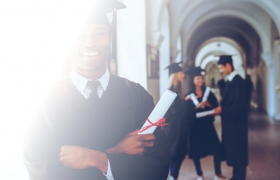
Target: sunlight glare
(36, 37)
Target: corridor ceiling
(232, 28)
(248, 22)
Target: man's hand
(133, 144)
(80, 158)
(218, 110)
(188, 97)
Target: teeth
(90, 54)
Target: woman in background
(175, 117)
(203, 138)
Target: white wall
(131, 42)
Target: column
(164, 57)
(270, 83)
(131, 42)
(277, 78)
(154, 41)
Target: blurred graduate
(203, 138)
(87, 128)
(234, 113)
(176, 119)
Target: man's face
(93, 47)
(225, 69)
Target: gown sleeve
(154, 164)
(213, 100)
(40, 155)
(221, 85)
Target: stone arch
(251, 21)
(269, 7)
(227, 46)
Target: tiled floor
(264, 153)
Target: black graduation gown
(235, 122)
(177, 127)
(203, 137)
(69, 119)
(249, 88)
(221, 85)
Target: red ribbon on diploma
(158, 123)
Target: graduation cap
(224, 59)
(174, 67)
(197, 71)
(112, 5)
(99, 15)
(103, 7)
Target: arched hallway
(196, 31)
(250, 30)
(264, 152)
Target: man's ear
(228, 66)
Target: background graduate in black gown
(221, 84)
(234, 107)
(175, 117)
(203, 138)
(87, 127)
(250, 88)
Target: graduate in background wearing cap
(87, 127)
(234, 108)
(175, 117)
(203, 138)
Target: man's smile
(90, 55)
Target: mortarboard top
(224, 59)
(111, 5)
(103, 7)
(174, 67)
(197, 71)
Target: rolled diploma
(193, 98)
(205, 113)
(159, 111)
(206, 94)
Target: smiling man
(87, 127)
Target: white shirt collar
(80, 82)
(231, 75)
